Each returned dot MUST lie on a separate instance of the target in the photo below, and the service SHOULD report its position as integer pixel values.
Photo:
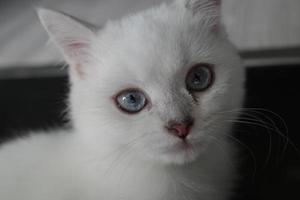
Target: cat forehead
(162, 27)
(155, 43)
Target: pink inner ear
(76, 49)
(76, 55)
(77, 45)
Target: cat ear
(211, 9)
(203, 5)
(72, 37)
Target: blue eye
(199, 78)
(131, 101)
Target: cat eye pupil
(131, 101)
(199, 77)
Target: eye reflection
(131, 100)
(199, 77)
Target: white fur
(110, 155)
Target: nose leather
(180, 129)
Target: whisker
(261, 117)
(273, 129)
(262, 124)
(249, 150)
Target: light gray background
(251, 24)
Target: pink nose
(180, 129)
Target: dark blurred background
(34, 84)
(270, 158)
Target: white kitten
(148, 99)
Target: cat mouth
(181, 146)
(185, 144)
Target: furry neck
(122, 174)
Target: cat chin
(179, 159)
(180, 153)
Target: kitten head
(157, 82)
